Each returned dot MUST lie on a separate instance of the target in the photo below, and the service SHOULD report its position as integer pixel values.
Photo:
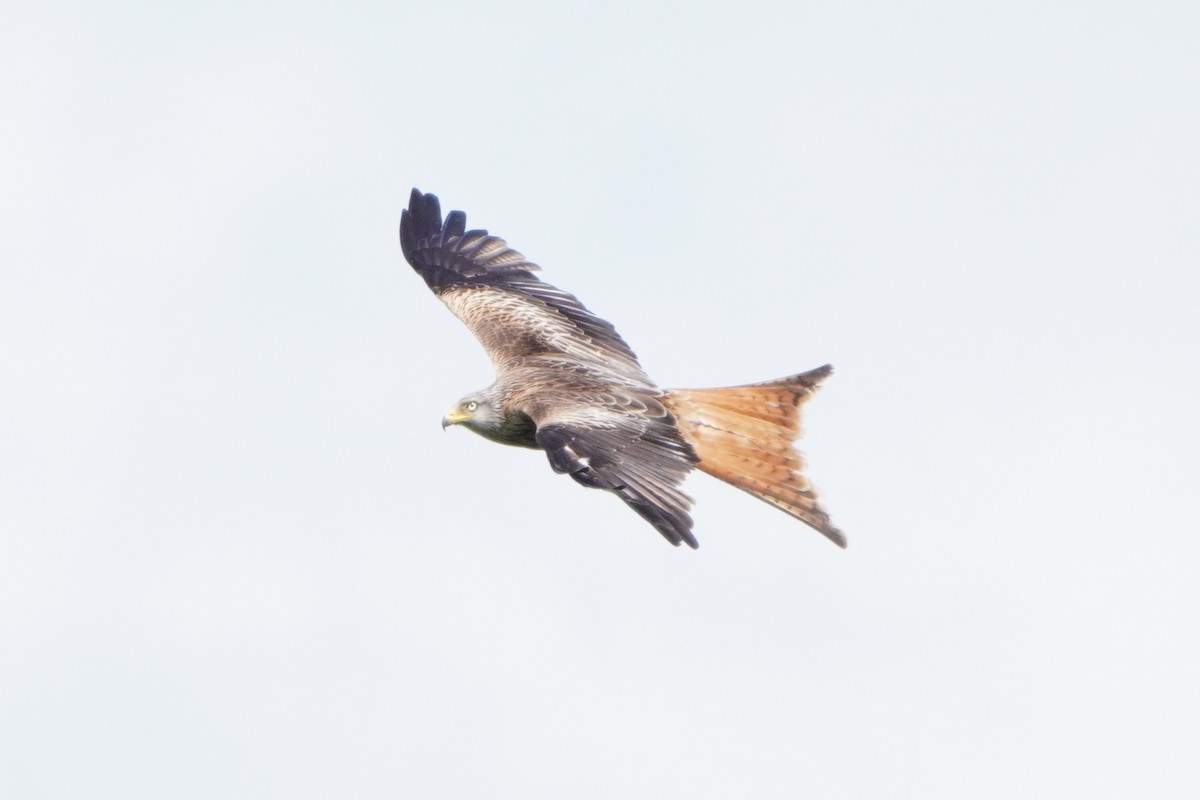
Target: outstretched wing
(626, 443)
(492, 288)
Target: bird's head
(479, 412)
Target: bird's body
(568, 384)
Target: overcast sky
(239, 558)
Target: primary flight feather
(568, 384)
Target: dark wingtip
(675, 528)
(456, 224)
(422, 219)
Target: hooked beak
(453, 418)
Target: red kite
(567, 383)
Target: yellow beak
(453, 418)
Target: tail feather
(744, 434)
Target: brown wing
(625, 442)
(492, 288)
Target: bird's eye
(471, 406)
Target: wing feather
(639, 456)
(491, 287)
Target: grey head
(484, 413)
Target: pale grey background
(239, 558)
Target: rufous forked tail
(744, 435)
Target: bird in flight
(568, 384)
